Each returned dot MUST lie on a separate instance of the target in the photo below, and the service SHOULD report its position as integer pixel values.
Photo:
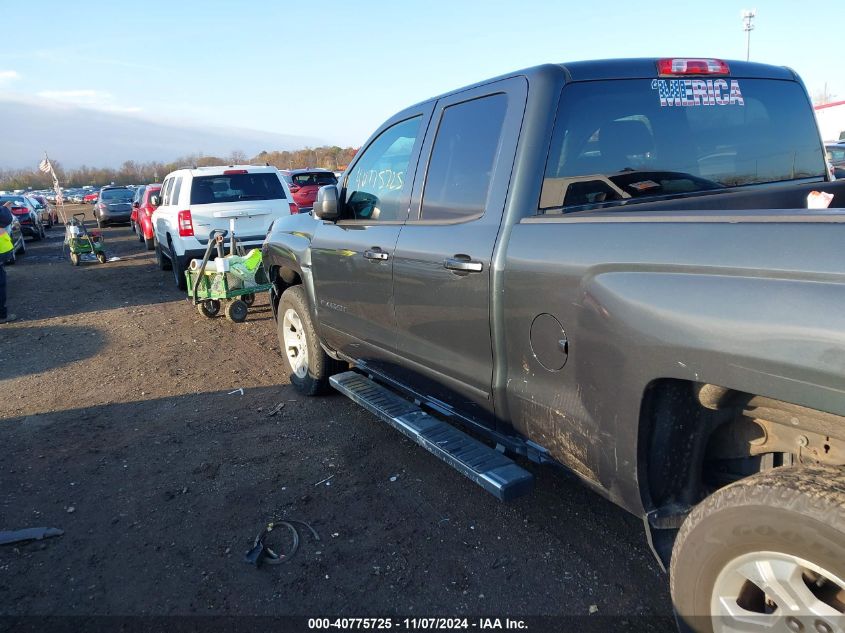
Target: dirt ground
(123, 424)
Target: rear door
(252, 199)
(352, 258)
(442, 262)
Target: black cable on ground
(261, 553)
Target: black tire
(795, 512)
(161, 259)
(37, 236)
(74, 259)
(149, 244)
(209, 308)
(178, 269)
(236, 311)
(248, 299)
(101, 257)
(319, 365)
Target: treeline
(132, 172)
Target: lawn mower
(80, 241)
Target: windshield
(236, 188)
(317, 179)
(647, 138)
(36, 203)
(116, 195)
(17, 201)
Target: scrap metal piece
(28, 534)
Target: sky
(334, 71)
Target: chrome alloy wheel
(296, 345)
(772, 591)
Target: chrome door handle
(376, 254)
(462, 264)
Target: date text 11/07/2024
(412, 624)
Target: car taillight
(293, 209)
(186, 226)
(101, 205)
(294, 188)
(689, 66)
(229, 172)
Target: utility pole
(748, 17)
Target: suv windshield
(318, 179)
(648, 138)
(117, 195)
(236, 187)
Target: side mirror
(155, 200)
(326, 206)
(135, 205)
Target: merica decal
(697, 92)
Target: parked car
(49, 215)
(143, 215)
(91, 198)
(136, 202)
(304, 183)
(18, 242)
(610, 266)
(25, 212)
(194, 202)
(836, 158)
(114, 205)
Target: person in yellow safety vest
(6, 248)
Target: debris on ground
(261, 553)
(324, 481)
(28, 534)
(275, 409)
(240, 391)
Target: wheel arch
(695, 438)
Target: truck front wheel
(308, 364)
(766, 551)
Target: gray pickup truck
(608, 266)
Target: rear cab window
(622, 141)
(318, 179)
(117, 195)
(236, 188)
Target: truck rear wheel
(308, 364)
(766, 550)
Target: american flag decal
(698, 92)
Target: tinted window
(462, 159)
(375, 186)
(236, 188)
(116, 195)
(36, 203)
(644, 138)
(318, 179)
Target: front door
(442, 265)
(352, 258)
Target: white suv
(193, 202)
